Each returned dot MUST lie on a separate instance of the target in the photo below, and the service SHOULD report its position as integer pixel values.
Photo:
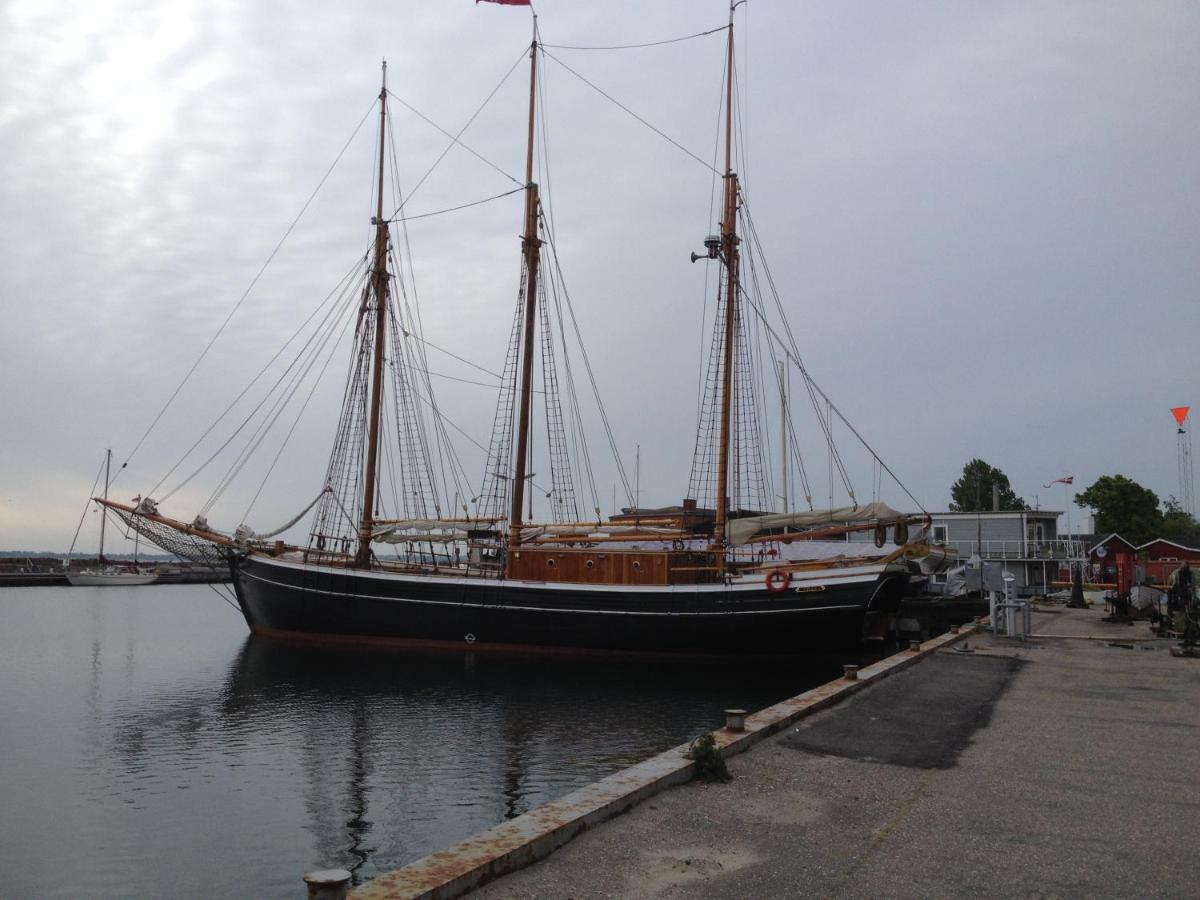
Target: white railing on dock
(1063, 550)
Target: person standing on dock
(1182, 585)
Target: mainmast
(729, 250)
(531, 248)
(380, 290)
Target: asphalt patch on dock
(922, 718)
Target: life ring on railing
(880, 535)
(777, 581)
(900, 533)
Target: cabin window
(637, 565)
(940, 534)
(550, 562)
(590, 563)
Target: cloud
(981, 220)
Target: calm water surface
(150, 747)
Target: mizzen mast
(379, 277)
(729, 253)
(531, 248)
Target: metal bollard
(850, 673)
(914, 646)
(328, 884)
(735, 720)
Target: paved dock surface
(1058, 768)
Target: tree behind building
(973, 491)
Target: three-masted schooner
(684, 579)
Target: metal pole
(104, 509)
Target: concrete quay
(1060, 767)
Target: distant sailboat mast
(104, 511)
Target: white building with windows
(1025, 543)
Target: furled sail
(739, 531)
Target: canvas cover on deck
(739, 531)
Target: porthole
(550, 562)
(591, 564)
(637, 565)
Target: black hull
(309, 603)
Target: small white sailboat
(107, 574)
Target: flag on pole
(1180, 413)
(507, 2)
(1066, 479)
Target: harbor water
(150, 747)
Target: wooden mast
(380, 290)
(729, 249)
(531, 248)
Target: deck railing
(1050, 550)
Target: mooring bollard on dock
(735, 720)
(914, 646)
(850, 673)
(327, 884)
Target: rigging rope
(245, 533)
(91, 494)
(670, 140)
(249, 288)
(686, 37)
(287, 438)
(455, 139)
(335, 292)
(470, 150)
(795, 360)
(451, 209)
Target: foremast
(729, 256)
(531, 250)
(379, 279)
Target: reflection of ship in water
(393, 756)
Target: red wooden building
(1161, 557)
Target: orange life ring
(777, 581)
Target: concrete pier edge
(528, 838)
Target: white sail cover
(405, 530)
(587, 530)
(739, 531)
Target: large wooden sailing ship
(697, 578)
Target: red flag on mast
(1066, 479)
(1180, 413)
(507, 2)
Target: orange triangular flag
(1180, 413)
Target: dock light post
(327, 884)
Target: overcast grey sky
(983, 218)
